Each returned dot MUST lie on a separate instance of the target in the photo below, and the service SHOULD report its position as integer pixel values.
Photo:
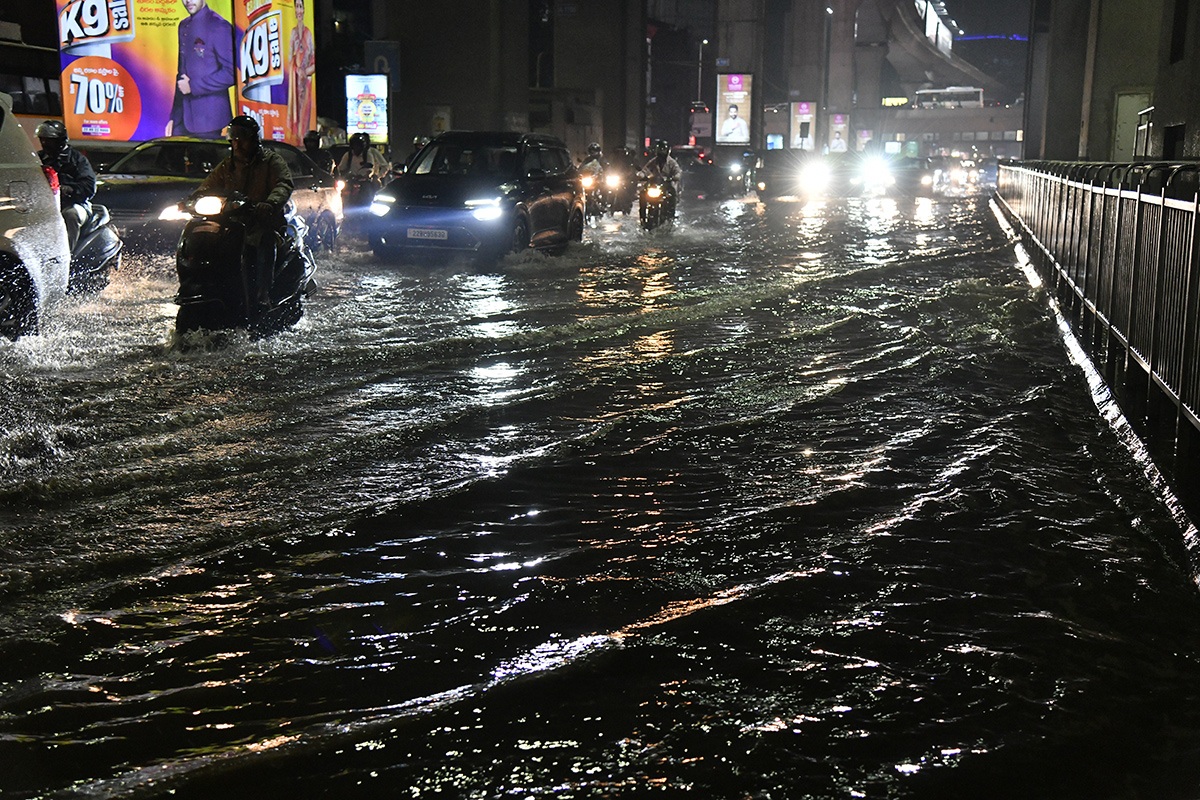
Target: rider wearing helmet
(363, 161)
(76, 178)
(263, 177)
(594, 163)
(665, 168)
(312, 147)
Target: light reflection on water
(793, 500)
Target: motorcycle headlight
(588, 181)
(612, 181)
(485, 210)
(654, 192)
(173, 213)
(736, 169)
(209, 205)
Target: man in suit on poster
(205, 73)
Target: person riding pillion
(363, 161)
(263, 177)
(76, 178)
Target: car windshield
(467, 158)
(183, 159)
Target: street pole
(700, 72)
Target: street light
(700, 71)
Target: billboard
(734, 101)
(366, 106)
(276, 66)
(804, 125)
(137, 70)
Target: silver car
(35, 261)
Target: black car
(482, 194)
(143, 190)
(778, 174)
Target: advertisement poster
(734, 101)
(122, 75)
(803, 125)
(276, 65)
(366, 106)
(138, 69)
(839, 125)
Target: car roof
(499, 137)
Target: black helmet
(244, 126)
(662, 147)
(51, 129)
(361, 139)
(313, 138)
(594, 149)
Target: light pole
(700, 72)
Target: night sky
(994, 17)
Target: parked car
(144, 189)
(35, 261)
(481, 194)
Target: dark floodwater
(790, 502)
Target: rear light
(51, 178)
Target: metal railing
(1118, 245)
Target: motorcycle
(597, 188)
(357, 193)
(217, 270)
(97, 251)
(656, 203)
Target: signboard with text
(366, 106)
(803, 125)
(138, 69)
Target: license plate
(426, 233)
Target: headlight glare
(209, 205)
(173, 213)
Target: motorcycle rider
(594, 163)
(312, 147)
(364, 162)
(76, 178)
(263, 177)
(665, 168)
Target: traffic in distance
(246, 218)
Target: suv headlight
(485, 210)
(381, 205)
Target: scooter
(97, 251)
(656, 204)
(218, 272)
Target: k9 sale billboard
(137, 69)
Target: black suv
(481, 193)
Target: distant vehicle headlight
(487, 209)
(588, 182)
(736, 169)
(814, 178)
(927, 180)
(612, 181)
(173, 213)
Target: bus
(950, 97)
(29, 74)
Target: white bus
(950, 97)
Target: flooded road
(790, 501)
